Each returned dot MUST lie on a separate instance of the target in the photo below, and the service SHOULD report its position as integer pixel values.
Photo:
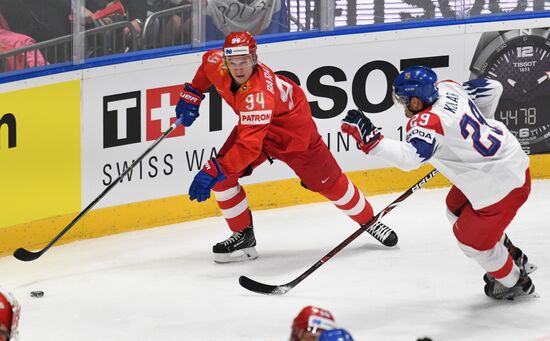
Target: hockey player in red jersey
(9, 316)
(274, 121)
(310, 323)
(450, 126)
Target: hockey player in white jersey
(479, 155)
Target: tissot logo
(161, 111)
(321, 92)
(121, 119)
(122, 116)
(9, 121)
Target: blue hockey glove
(188, 105)
(206, 178)
(362, 130)
(335, 335)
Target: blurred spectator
(172, 30)
(254, 16)
(310, 323)
(112, 12)
(9, 316)
(3, 23)
(39, 19)
(44, 19)
(10, 40)
(222, 17)
(335, 335)
(134, 11)
(137, 13)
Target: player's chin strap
(282, 289)
(26, 255)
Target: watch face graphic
(520, 60)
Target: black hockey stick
(26, 255)
(267, 289)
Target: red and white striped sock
(234, 206)
(496, 261)
(347, 197)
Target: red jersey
(274, 114)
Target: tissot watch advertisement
(520, 60)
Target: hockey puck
(37, 293)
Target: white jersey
(478, 155)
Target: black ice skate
(523, 288)
(382, 233)
(519, 257)
(237, 248)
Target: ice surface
(161, 284)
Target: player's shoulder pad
(426, 119)
(449, 81)
(266, 78)
(483, 87)
(424, 125)
(213, 57)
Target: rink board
(124, 108)
(40, 157)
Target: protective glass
(400, 100)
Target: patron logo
(122, 116)
(8, 120)
(255, 117)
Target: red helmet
(239, 43)
(312, 319)
(9, 316)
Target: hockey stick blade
(26, 255)
(267, 289)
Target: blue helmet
(335, 335)
(416, 81)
